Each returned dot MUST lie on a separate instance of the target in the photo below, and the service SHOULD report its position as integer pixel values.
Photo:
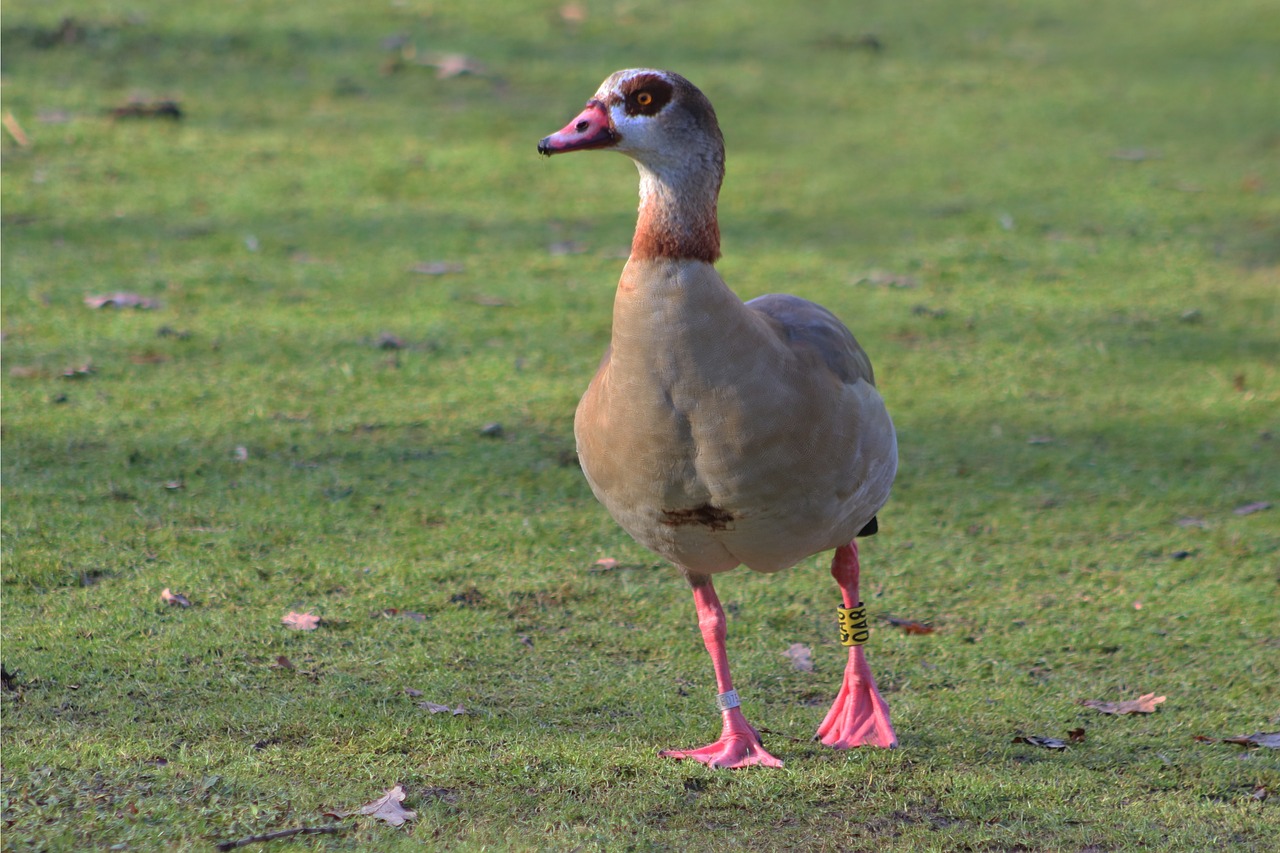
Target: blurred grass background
(1054, 226)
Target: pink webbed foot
(859, 716)
(739, 746)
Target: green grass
(1086, 198)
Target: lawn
(369, 308)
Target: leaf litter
(801, 657)
(1144, 704)
(1043, 742)
(910, 626)
(121, 299)
(386, 808)
(300, 621)
(436, 708)
(1270, 740)
(174, 598)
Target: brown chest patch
(708, 516)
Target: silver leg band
(725, 701)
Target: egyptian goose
(720, 433)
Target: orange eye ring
(644, 99)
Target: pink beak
(591, 128)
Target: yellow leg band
(853, 625)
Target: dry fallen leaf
(1145, 704)
(148, 109)
(1271, 740)
(301, 621)
(605, 564)
(283, 662)
(175, 598)
(16, 131)
(1044, 742)
(395, 613)
(1250, 509)
(909, 626)
(485, 299)
(1076, 735)
(442, 709)
(573, 13)
(120, 299)
(387, 340)
(801, 657)
(884, 278)
(451, 65)
(566, 247)
(436, 268)
(412, 691)
(386, 808)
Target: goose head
(668, 127)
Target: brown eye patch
(646, 95)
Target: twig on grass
(282, 833)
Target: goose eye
(644, 99)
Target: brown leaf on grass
(387, 340)
(121, 299)
(442, 709)
(385, 808)
(1192, 522)
(412, 691)
(909, 626)
(79, 371)
(801, 657)
(562, 248)
(436, 268)
(1260, 793)
(449, 65)
(174, 598)
(1271, 740)
(16, 131)
(1250, 509)
(605, 564)
(573, 13)
(1144, 704)
(884, 278)
(485, 299)
(283, 662)
(1135, 155)
(148, 109)
(412, 616)
(1076, 735)
(1043, 742)
(300, 621)
(24, 371)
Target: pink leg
(739, 744)
(859, 717)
